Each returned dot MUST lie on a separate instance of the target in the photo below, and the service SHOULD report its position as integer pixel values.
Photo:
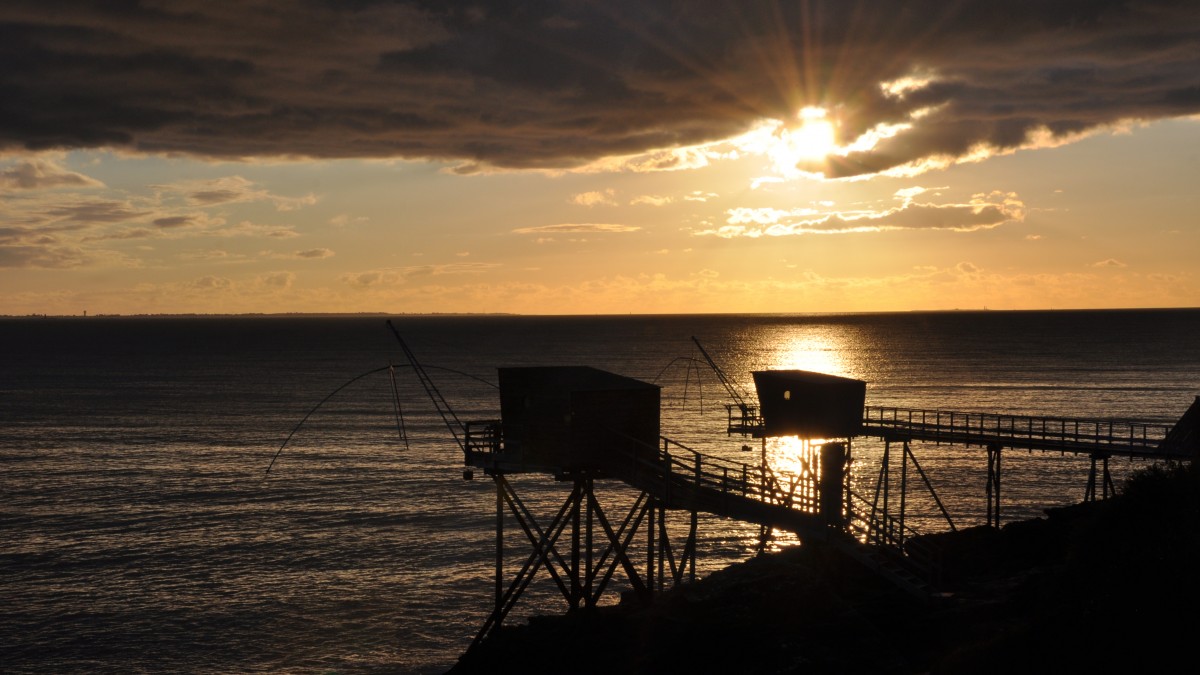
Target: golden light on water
(794, 457)
(816, 353)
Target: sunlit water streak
(141, 535)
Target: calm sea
(140, 532)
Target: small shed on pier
(809, 405)
(567, 418)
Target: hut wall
(809, 405)
(576, 417)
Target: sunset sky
(550, 157)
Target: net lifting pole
(444, 410)
(739, 400)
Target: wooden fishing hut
(578, 424)
(815, 406)
(565, 420)
(809, 405)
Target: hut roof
(568, 378)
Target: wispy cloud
(212, 283)
(248, 228)
(595, 198)
(651, 200)
(398, 275)
(43, 174)
(42, 256)
(578, 228)
(982, 211)
(314, 254)
(95, 211)
(343, 220)
(231, 190)
(280, 280)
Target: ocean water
(142, 533)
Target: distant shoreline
(248, 315)
(348, 315)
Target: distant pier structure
(582, 426)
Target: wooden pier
(584, 426)
(674, 477)
(1098, 439)
(1115, 438)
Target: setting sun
(813, 137)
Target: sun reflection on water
(820, 352)
(815, 353)
(795, 462)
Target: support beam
(618, 544)
(582, 575)
(933, 493)
(574, 575)
(689, 549)
(1110, 490)
(878, 523)
(499, 546)
(1101, 479)
(650, 509)
(587, 571)
(903, 490)
(993, 485)
(831, 493)
(576, 543)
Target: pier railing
(685, 478)
(1112, 437)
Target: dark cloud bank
(556, 84)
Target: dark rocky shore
(1108, 587)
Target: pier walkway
(674, 477)
(680, 478)
(1114, 438)
(684, 479)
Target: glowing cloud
(983, 211)
(595, 198)
(578, 228)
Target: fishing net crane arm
(737, 397)
(457, 429)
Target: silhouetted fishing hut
(815, 406)
(566, 419)
(809, 405)
(578, 424)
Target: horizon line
(218, 315)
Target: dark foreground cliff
(1110, 586)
